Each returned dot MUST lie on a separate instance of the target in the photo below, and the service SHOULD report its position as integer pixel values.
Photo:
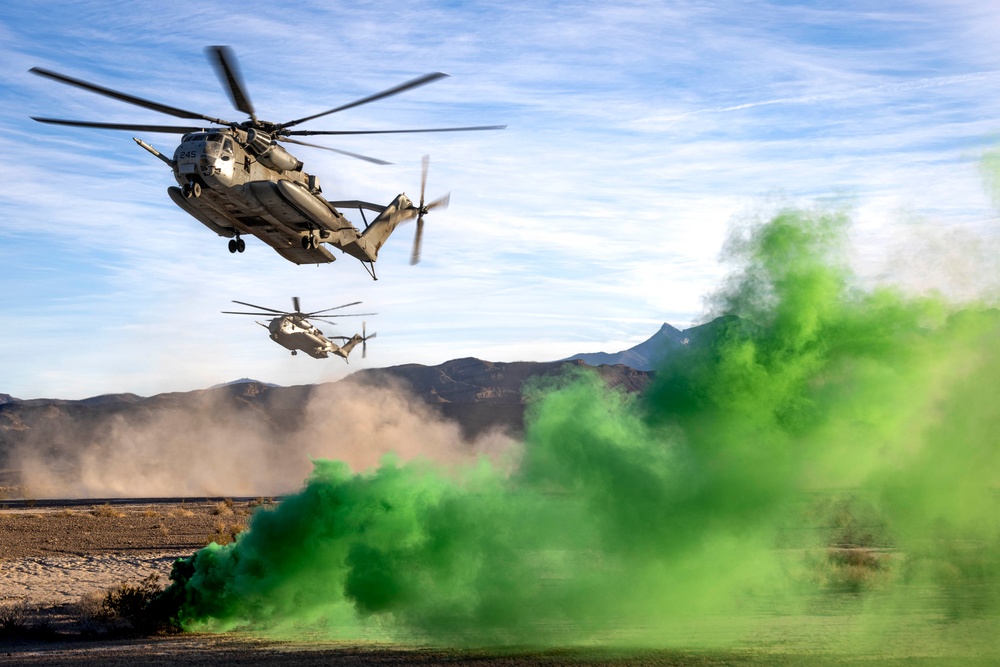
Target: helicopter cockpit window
(227, 149)
(213, 144)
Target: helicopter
(237, 180)
(294, 332)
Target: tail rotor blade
(439, 202)
(364, 340)
(423, 178)
(421, 209)
(415, 256)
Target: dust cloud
(205, 444)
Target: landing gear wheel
(308, 242)
(241, 245)
(196, 189)
(233, 245)
(186, 190)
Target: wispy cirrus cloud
(637, 132)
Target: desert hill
(650, 353)
(249, 436)
(478, 395)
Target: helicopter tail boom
(400, 210)
(346, 348)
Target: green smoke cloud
(817, 470)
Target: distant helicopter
(237, 180)
(295, 332)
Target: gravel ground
(50, 528)
(58, 558)
(55, 554)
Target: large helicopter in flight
(295, 332)
(237, 180)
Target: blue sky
(639, 133)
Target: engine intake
(269, 153)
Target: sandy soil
(55, 556)
(55, 553)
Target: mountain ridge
(480, 396)
(650, 353)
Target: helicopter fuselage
(238, 182)
(236, 179)
(296, 333)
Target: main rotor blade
(389, 92)
(168, 129)
(295, 304)
(334, 150)
(326, 310)
(326, 318)
(253, 305)
(236, 312)
(226, 66)
(124, 97)
(304, 133)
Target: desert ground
(58, 560)
(54, 552)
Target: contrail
(858, 92)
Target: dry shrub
(108, 512)
(90, 606)
(856, 570)
(224, 534)
(224, 508)
(127, 607)
(24, 620)
(14, 617)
